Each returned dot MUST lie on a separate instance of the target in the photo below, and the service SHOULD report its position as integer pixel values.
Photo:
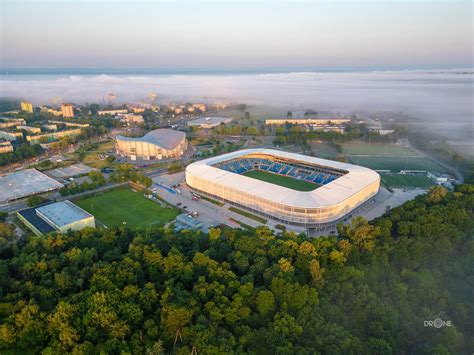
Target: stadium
(290, 188)
(158, 144)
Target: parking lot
(208, 213)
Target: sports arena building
(339, 188)
(158, 144)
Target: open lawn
(406, 181)
(281, 180)
(118, 206)
(395, 164)
(377, 148)
(92, 157)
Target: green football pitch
(285, 181)
(118, 206)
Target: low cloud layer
(442, 98)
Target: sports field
(395, 164)
(406, 181)
(281, 180)
(377, 148)
(118, 206)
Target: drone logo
(437, 322)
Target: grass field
(366, 148)
(281, 180)
(118, 206)
(406, 181)
(92, 157)
(395, 164)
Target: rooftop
(209, 120)
(25, 183)
(163, 137)
(36, 221)
(63, 213)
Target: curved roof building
(158, 144)
(331, 191)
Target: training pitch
(118, 206)
(285, 181)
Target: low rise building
(338, 129)
(60, 217)
(136, 109)
(70, 124)
(200, 107)
(6, 147)
(11, 135)
(25, 183)
(307, 121)
(30, 129)
(382, 132)
(131, 118)
(51, 110)
(112, 112)
(209, 122)
(52, 136)
(6, 122)
(185, 221)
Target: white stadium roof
(335, 192)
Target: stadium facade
(158, 144)
(339, 188)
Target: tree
(252, 131)
(265, 302)
(174, 319)
(97, 177)
(35, 200)
(157, 290)
(436, 194)
(316, 272)
(7, 231)
(214, 234)
(361, 233)
(285, 265)
(3, 216)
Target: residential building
(67, 110)
(26, 106)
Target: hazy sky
(236, 34)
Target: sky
(224, 34)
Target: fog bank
(442, 98)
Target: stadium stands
(312, 173)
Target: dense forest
(370, 290)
